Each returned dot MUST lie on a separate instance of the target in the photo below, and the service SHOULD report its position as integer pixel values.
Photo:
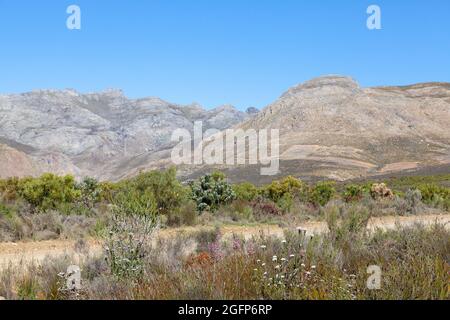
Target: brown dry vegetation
(414, 262)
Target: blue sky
(240, 52)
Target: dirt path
(27, 252)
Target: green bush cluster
(9, 189)
(280, 188)
(160, 193)
(246, 191)
(322, 193)
(49, 191)
(6, 211)
(435, 195)
(281, 196)
(52, 192)
(167, 191)
(152, 193)
(212, 191)
(353, 192)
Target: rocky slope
(329, 127)
(66, 131)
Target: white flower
(258, 261)
(284, 241)
(303, 265)
(265, 273)
(308, 273)
(263, 247)
(292, 256)
(255, 270)
(263, 265)
(283, 259)
(313, 267)
(282, 277)
(277, 267)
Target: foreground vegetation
(51, 207)
(414, 262)
(136, 264)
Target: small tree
(279, 188)
(322, 193)
(90, 192)
(245, 191)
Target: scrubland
(135, 263)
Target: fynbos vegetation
(136, 262)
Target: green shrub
(211, 191)
(135, 203)
(108, 190)
(286, 202)
(90, 191)
(435, 195)
(128, 244)
(167, 191)
(278, 188)
(245, 191)
(322, 193)
(9, 189)
(49, 191)
(353, 193)
(6, 211)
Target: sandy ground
(26, 252)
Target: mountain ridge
(330, 127)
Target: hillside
(84, 134)
(330, 127)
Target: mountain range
(330, 127)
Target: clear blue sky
(241, 52)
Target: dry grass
(414, 263)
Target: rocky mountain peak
(252, 110)
(330, 83)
